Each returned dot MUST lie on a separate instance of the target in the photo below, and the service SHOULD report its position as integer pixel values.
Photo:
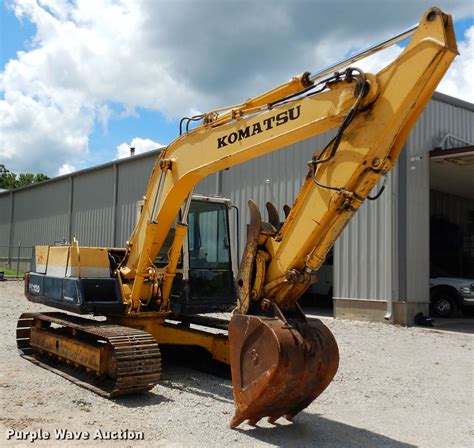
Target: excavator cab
(205, 283)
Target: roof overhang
(457, 156)
(452, 171)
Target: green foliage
(8, 271)
(9, 180)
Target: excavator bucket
(278, 368)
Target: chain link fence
(15, 261)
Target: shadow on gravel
(195, 358)
(311, 430)
(220, 392)
(463, 324)
(178, 363)
(141, 400)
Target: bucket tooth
(273, 216)
(247, 263)
(236, 421)
(272, 420)
(253, 421)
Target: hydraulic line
(379, 193)
(333, 145)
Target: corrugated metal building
(381, 262)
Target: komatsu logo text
(257, 128)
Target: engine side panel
(78, 295)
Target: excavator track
(110, 360)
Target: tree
(9, 180)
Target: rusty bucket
(278, 368)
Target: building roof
(443, 98)
(90, 169)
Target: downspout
(10, 230)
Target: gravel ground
(396, 387)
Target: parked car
(449, 294)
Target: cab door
(210, 268)
(208, 283)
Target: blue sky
(462, 25)
(15, 34)
(147, 123)
(63, 99)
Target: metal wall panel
(93, 207)
(132, 182)
(366, 255)
(5, 218)
(438, 119)
(40, 214)
(210, 185)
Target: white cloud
(140, 145)
(66, 169)
(41, 134)
(377, 61)
(459, 80)
(173, 57)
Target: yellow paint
(41, 258)
(95, 357)
(167, 333)
(73, 261)
(90, 262)
(57, 261)
(173, 258)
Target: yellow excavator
(177, 266)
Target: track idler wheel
(278, 368)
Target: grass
(11, 272)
